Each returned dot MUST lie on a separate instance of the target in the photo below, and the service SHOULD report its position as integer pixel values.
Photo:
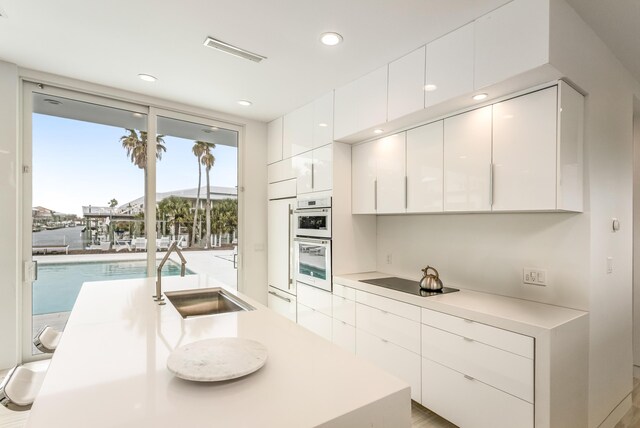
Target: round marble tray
(212, 360)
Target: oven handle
(311, 210)
(311, 240)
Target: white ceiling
(110, 42)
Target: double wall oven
(312, 242)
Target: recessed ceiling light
(430, 87)
(52, 101)
(480, 97)
(137, 115)
(330, 39)
(378, 131)
(322, 125)
(245, 103)
(147, 77)
(233, 50)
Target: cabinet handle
(469, 377)
(406, 192)
(491, 184)
(280, 297)
(375, 195)
(467, 339)
(290, 284)
(384, 340)
(469, 321)
(313, 174)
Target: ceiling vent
(230, 49)
(2, 14)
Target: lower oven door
(312, 262)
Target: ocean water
(58, 284)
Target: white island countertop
(110, 370)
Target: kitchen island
(110, 370)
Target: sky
(79, 163)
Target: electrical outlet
(534, 276)
(389, 259)
(609, 264)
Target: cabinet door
(344, 335)
(323, 120)
(524, 152)
(279, 243)
(363, 178)
(302, 165)
(467, 161)
(406, 84)
(450, 66)
(511, 40)
(372, 99)
(323, 168)
(298, 129)
(390, 173)
(346, 111)
(425, 168)
(315, 321)
(274, 141)
(282, 303)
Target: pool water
(58, 284)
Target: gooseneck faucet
(173, 247)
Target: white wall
(8, 213)
(252, 184)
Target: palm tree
(199, 149)
(177, 209)
(136, 147)
(113, 202)
(208, 160)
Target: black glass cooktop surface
(407, 286)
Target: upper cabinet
(511, 40)
(424, 168)
(363, 179)
(308, 127)
(274, 141)
(449, 71)
(406, 84)
(361, 104)
(314, 169)
(467, 161)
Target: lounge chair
(163, 243)
(140, 244)
(103, 246)
(121, 244)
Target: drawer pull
(384, 312)
(469, 377)
(384, 340)
(469, 321)
(467, 339)
(280, 297)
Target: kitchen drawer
(280, 171)
(344, 309)
(503, 339)
(344, 335)
(470, 403)
(282, 189)
(391, 358)
(402, 309)
(315, 321)
(282, 303)
(342, 291)
(390, 327)
(503, 370)
(315, 298)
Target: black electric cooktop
(407, 286)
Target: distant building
(216, 193)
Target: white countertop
(110, 368)
(522, 316)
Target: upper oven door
(313, 222)
(312, 262)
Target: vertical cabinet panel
(323, 120)
(390, 173)
(425, 168)
(274, 141)
(323, 168)
(450, 66)
(511, 40)
(406, 84)
(467, 161)
(524, 152)
(302, 166)
(279, 242)
(297, 131)
(363, 179)
(570, 135)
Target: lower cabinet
(282, 303)
(314, 320)
(468, 402)
(392, 358)
(344, 335)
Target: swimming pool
(58, 284)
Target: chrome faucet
(173, 247)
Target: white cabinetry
(314, 169)
(450, 66)
(282, 303)
(378, 176)
(511, 40)
(406, 84)
(314, 310)
(279, 242)
(323, 120)
(274, 141)
(309, 126)
(344, 317)
(425, 168)
(467, 161)
(361, 104)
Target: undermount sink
(206, 301)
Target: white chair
(163, 243)
(19, 389)
(140, 244)
(47, 339)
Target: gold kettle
(430, 281)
